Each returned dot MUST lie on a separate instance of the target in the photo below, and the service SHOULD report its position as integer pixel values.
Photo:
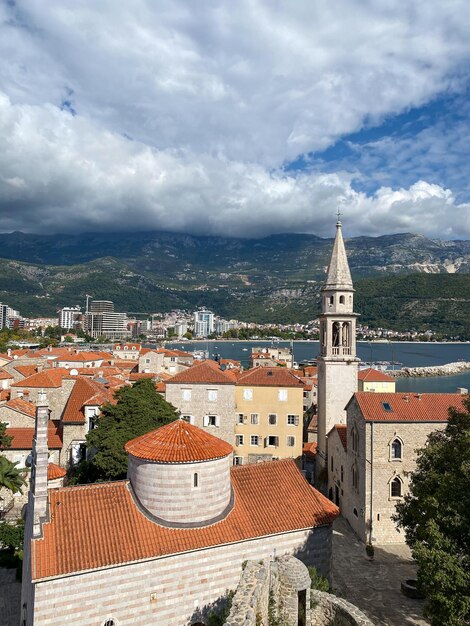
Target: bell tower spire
(337, 363)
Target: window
(188, 418)
(195, 480)
(387, 407)
(110, 622)
(248, 394)
(186, 395)
(354, 439)
(355, 512)
(341, 299)
(211, 420)
(342, 474)
(238, 460)
(395, 487)
(239, 440)
(212, 395)
(293, 420)
(241, 418)
(396, 450)
(332, 299)
(147, 360)
(254, 418)
(331, 463)
(272, 419)
(282, 395)
(290, 442)
(254, 440)
(355, 477)
(272, 441)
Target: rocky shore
(433, 370)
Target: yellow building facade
(269, 419)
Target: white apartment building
(69, 317)
(203, 323)
(102, 320)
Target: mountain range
(401, 280)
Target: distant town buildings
(70, 317)
(102, 321)
(203, 323)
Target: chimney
(40, 461)
(406, 398)
(419, 396)
(9, 352)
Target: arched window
(354, 439)
(110, 622)
(396, 449)
(355, 477)
(341, 299)
(342, 474)
(396, 487)
(195, 480)
(332, 299)
(336, 334)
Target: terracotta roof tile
(270, 498)
(342, 431)
(376, 376)
(84, 390)
(178, 442)
(22, 438)
(207, 373)
(310, 449)
(5, 375)
(47, 379)
(26, 370)
(269, 377)
(407, 407)
(22, 406)
(55, 471)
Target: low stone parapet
(329, 610)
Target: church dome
(180, 475)
(178, 442)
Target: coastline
(449, 369)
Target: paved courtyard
(374, 586)
(10, 597)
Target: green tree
(436, 519)
(12, 535)
(139, 409)
(5, 440)
(10, 476)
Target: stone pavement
(10, 598)
(374, 586)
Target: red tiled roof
(178, 442)
(341, 429)
(206, 373)
(310, 370)
(55, 471)
(407, 407)
(270, 498)
(81, 357)
(26, 370)
(310, 449)
(47, 379)
(269, 377)
(376, 376)
(22, 406)
(22, 438)
(5, 375)
(84, 390)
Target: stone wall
(329, 610)
(172, 590)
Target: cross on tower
(338, 213)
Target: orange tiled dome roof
(54, 472)
(178, 442)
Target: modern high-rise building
(69, 317)
(203, 323)
(102, 321)
(3, 315)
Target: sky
(235, 118)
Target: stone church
(166, 544)
(367, 441)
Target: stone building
(164, 361)
(371, 469)
(205, 397)
(171, 539)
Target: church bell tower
(337, 363)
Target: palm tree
(10, 476)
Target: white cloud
(217, 97)
(65, 173)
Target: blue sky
(241, 119)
